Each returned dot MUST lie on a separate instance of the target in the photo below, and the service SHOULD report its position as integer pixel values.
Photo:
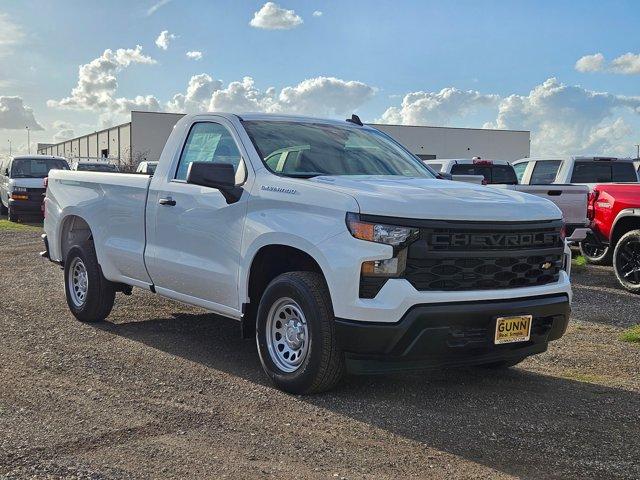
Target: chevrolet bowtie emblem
(546, 265)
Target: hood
(421, 198)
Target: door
(194, 236)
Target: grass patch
(583, 377)
(7, 226)
(579, 263)
(631, 335)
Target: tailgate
(571, 199)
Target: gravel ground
(167, 391)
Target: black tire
(595, 253)
(11, 216)
(100, 292)
(502, 364)
(626, 261)
(323, 365)
(3, 209)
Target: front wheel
(11, 215)
(295, 334)
(90, 296)
(626, 261)
(595, 253)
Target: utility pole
(638, 152)
(28, 141)
(9, 140)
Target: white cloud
(63, 131)
(14, 115)
(97, 84)
(437, 108)
(317, 13)
(194, 55)
(627, 64)
(590, 63)
(566, 119)
(11, 34)
(273, 17)
(164, 39)
(156, 6)
(317, 96)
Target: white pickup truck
(333, 246)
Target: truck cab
(575, 170)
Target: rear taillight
(591, 204)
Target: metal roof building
(143, 138)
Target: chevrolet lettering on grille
(484, 240)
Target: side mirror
(445, 176)
(215, 175)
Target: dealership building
(143, 138)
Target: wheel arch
(73, 230)
(626, 220)
(267, 262)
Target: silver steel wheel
(78, 282)
(287, 335)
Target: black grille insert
(483, 256)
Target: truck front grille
(451, 256)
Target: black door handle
(554, 193)
(170, 202)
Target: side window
(519, 169)
(623, 172)
(544, 172)
(209, 142)
(591, 172)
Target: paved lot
(167, 391)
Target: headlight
(393, 235)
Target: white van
(22, 183)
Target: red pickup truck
(614, 211)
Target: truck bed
(571, 199)
(114, 205)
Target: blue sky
(467, 63)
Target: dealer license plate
(513, 329)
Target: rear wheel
(90, 296)
(295, 334)
(595, 253)
(626, 262)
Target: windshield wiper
(307, 174)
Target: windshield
(93, 167)
(36, 167)
(306, 150)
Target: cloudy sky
(567, 71)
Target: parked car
(571, 199)
(614, 210)
(493, 171)
(96, 167)
(354, 257)
(575, 170)
(22, 183)
(147, 168)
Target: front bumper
(450, 334)
(26, 207)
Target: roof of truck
(579, 157)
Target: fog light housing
(389, 267)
